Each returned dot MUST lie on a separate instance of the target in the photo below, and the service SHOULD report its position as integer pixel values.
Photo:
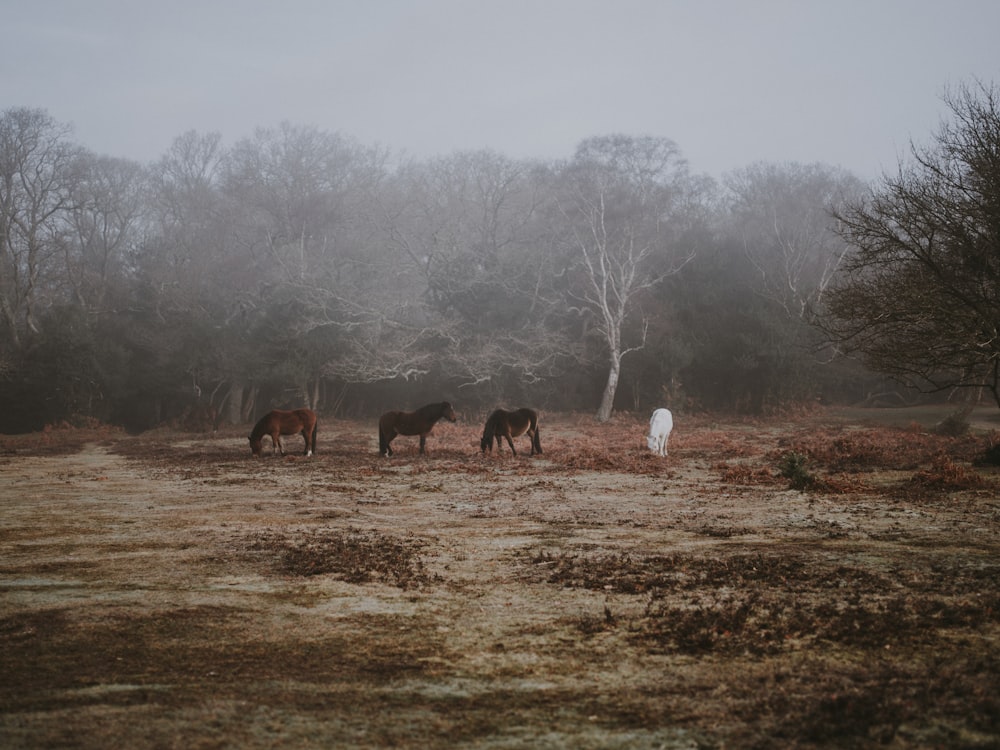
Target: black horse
(419, 422)
(511, 424)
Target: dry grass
(166, 590)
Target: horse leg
(510, 442)
(536, 443)
(385, 441)
(423, 442)
(276, 439)
(305, 436)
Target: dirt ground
(827, 581)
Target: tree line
(300, 267)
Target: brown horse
(419, 422)
(277, 423)
(511, 424)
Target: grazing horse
(277, 423)
(511, 424)
(660, 425)
(419, 422)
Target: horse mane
(260, 428)
(436, 410)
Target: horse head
(489, 430)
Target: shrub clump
(745, 474)
(353, 556)
(955, 424)
(944, 475)
(795, 468)
(991, 454)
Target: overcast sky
(847, 83)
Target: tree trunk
(310, 391)
(233, 402)
(608, 399)
(248, 409)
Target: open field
(165, 590)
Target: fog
(847, 84)
(222, 209)
(299, 267)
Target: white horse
(660, 425)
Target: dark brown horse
(511, 424)
(419, 422)
(277, 423)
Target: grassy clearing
(165, 590)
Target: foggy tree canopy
(301, 267)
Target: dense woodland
(301, 267)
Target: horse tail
(383, 444)
(536, 441)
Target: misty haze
(601, 391)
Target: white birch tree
(620, 200)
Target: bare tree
(301, 198)
(186, 265)
(620, 197)
(920, 293)
(39, 168)
(106, 221)
(782, 215)
(466, 227)
(190, 233)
